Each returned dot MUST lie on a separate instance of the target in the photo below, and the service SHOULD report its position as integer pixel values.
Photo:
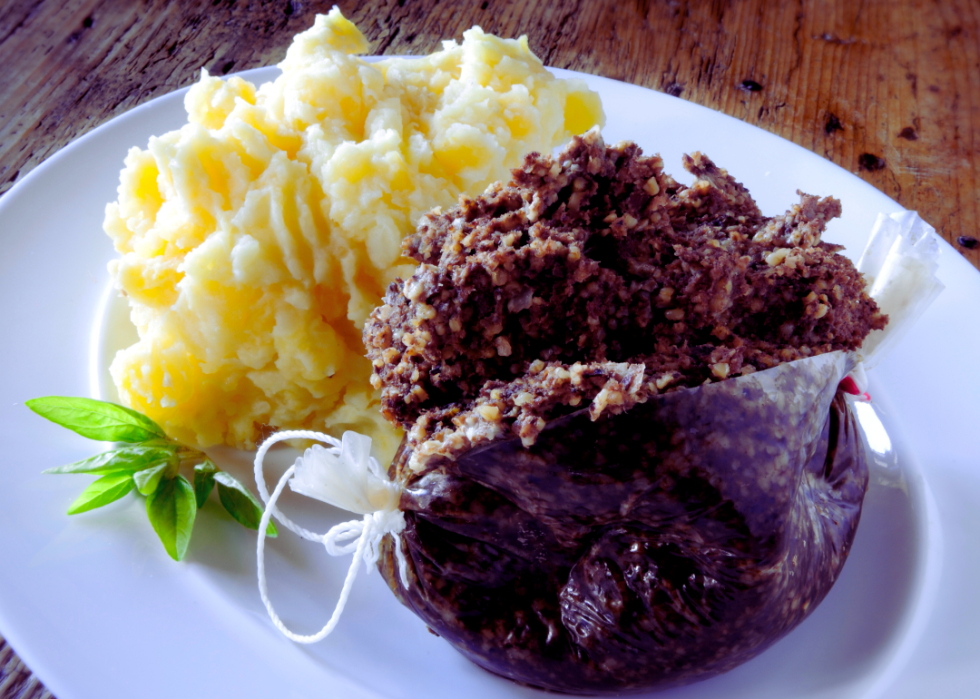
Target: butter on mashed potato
(255, 240)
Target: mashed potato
(255, 240)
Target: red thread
(849, 385)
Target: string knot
(372, 528)
(347, 476)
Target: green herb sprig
(149, 463)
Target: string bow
(344, 475)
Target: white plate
(96, 608)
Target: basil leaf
(103, 491)
(96, 419)
(241, 504)
(171, 510)
(148, 479)
(204, 481)
(122, 460)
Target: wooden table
(887, 89)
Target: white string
(260, 478)
(360, 537)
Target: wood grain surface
(887, 89)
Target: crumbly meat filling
(593, 279)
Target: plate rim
(262, 74)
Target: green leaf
(171, 509)
(103, 491)
(241, 504)
(96, 419)
(148, 479)
(204, 480)
(122, 460)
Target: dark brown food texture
(656, 547)
(597, 257)
(625, 466)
